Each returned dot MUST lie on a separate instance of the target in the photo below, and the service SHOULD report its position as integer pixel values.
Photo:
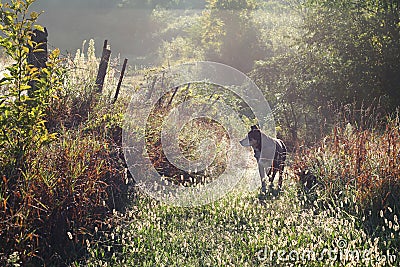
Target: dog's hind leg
(272, 170)
(281, 167)
(272, 178)
(282, 159)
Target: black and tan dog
(270, 154)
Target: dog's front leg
(261, 170)
(272, 177)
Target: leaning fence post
(120, 80)
(37, 56)
(105, 57)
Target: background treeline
(310, 58)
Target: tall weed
(364, 163)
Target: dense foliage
(309, 58)
(57, 175)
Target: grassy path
(238, 230)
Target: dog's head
(253, 138)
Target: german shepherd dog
(265, 148)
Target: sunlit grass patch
(238, 230)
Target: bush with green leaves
(59, 176)
(27, 92)
(22, 105)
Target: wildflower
(69, 235)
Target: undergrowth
(364, 164)
(61, 169)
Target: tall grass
(350, 219)
(238, 231)
(363, 163)
(71, 184)
(346, 222)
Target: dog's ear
(255, 127)
(255, 134)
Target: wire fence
(70, 64)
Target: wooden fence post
(105, 58)
(37, 55)
(120, 80)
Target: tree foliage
(358, 46)
(229, 34)
(346, 52)
(309, 57)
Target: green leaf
(25, 87)
(25, 49)
(38, 50)
(39, 28)
(34, 15)
(9, 19)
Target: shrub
(363, 163)
(188, 141)
(27, 92)
(22, 105)
(59, 178)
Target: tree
(357, 46)
(229, 35)
(346, 53)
